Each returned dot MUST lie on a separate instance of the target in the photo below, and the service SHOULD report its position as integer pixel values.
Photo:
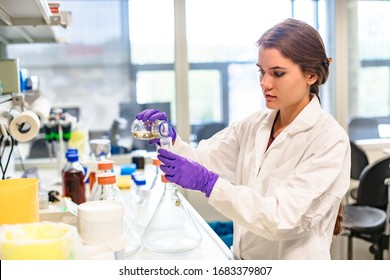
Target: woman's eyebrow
(274, 67)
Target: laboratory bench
(211, 247)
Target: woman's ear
(311, 78)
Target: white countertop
(211, 248)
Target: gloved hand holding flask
(152, 115)
(186, 173)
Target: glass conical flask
(171, 228)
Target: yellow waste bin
(40, 241)
(19, 200)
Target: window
(369, 75)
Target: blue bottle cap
(71, 151)
(72, 157)
(139, 179)
(128, 169)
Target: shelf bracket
(45, 10)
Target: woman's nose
(265, 82)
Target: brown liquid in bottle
(74, 186)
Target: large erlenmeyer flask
(171, 228)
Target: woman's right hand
(153, 115)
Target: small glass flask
(149, 130)
(171, 228)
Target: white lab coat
(283, 201)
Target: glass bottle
(139, 191)
(108, 190)
(171, 228)
(73, 179)
(100, 149)
(95, 168)
(149, 130)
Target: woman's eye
(278, 74)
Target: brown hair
(301, 43)
(338, 227)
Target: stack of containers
(107, 190)
(101, 225)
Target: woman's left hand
(186, 173)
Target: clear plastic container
(171, 228)
(149, 130)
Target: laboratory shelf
(29, 21)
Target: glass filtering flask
(171, 228)
(149, 130)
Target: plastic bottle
(171, 229)
(73, 179)
(149, 130)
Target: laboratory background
(74, 74)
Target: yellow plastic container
(37, 241)
(19, 200)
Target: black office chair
(359, 160)
(367, 218)
(363, 128)
(207, 130)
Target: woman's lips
(269, 97)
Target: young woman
(279, 175)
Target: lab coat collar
(307, 118)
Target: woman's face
(282, 81)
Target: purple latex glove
(186, 173)
(152, 115)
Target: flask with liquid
(73, 179)
(149, 130)
(171, 228)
